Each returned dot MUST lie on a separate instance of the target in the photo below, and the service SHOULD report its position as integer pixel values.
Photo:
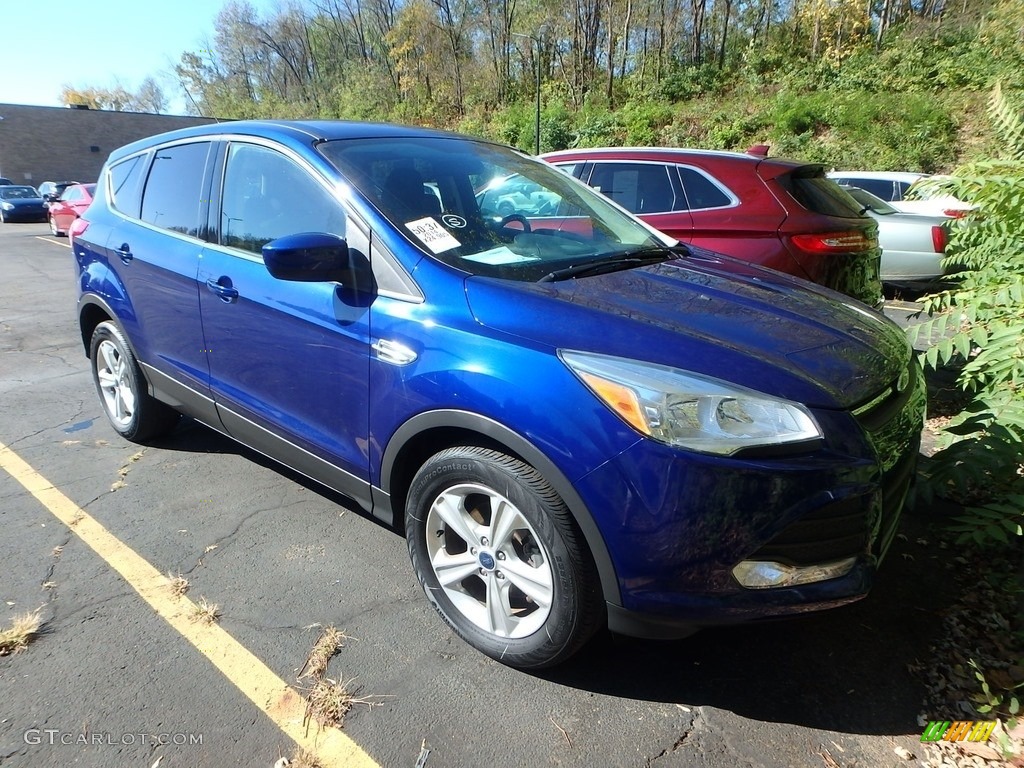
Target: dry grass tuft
(327, 702)
(23, 629)
(326, 646)
(301, 759)
(204, 611)
(178, 584)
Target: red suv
(782, 214)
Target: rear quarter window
(820, 194)
(125, 187)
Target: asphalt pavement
(111, 682)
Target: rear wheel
(131, 410)
(53, 227)
(500, 558)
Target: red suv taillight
(939, 239)
(850, 241)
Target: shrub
(981, 462)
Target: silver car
(913, 244)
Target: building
(40, 144)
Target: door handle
(226, 292)
(125, 253)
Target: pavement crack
(125, 468)
(680, 742)
(226, 539)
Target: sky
(98, 43)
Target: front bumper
(676, 525)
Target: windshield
(15, 193)
(487, 209)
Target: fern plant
(980, 321)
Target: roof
(291, 131)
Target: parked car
(20, 203)
(502, 197)
(777, 213)
(71, 205)
(4, 181)
(52, 190)
(895, 187)
(578, 421)
(913, 244)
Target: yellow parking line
(246, 672)
(51, 240)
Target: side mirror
(310, 257)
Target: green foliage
(1002, 703)
(644, 121)
(981, 323)
(685, 82)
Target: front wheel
(500, 557)
(131, 410)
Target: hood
(713, 315)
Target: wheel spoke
(128, 400)
(109, 357)
(505, 519)
(499, 612)
(450, 508)
(536, 583)
(452, 569)
(106, 378)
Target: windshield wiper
(628, 260)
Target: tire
(3, 220)
(53, 227)
(518, 582)
(131, 410)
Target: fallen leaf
(980, 750)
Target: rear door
(156, 250)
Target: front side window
(174, 188)
(487, 209)
(267, 195)
(637, 187)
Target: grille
(892, 422)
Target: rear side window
(174, 188)
(819, 194)
(701, 192)
(125, 189)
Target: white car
(913, 244)
(892, 186)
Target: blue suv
(577, 421)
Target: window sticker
(499, 255)
(432, 235)
(453, 220)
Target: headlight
(7, 206)
(690, 410)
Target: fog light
(762, 574)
